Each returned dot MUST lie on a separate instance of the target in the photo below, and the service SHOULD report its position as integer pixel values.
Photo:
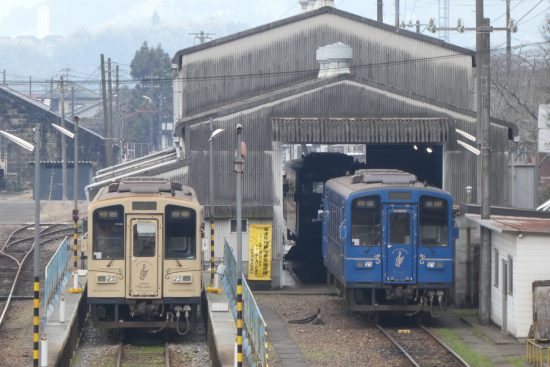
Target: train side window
(365, 221)
(180, 235)
(108, 233)
(145, 235)
(434, 224)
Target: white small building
(520, 255)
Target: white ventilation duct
(334, 59)
(308, 5)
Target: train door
(144, 252)
(399, 249)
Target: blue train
(388, 241)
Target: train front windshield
(365, 221)
(181, 224)
(434, 225)
(108, 233)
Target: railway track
(16, 276)
(145, 355)
(422, 348)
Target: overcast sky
(20, 17)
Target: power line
(542, 12)
(533, 8)
(292, 72)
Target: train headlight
(435, 265)
(182, 279)
(364, 264)
(106, 279)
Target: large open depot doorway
(423, 160)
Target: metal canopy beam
(360, 130)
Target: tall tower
(443, 19)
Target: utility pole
(396, 13)
(63, 141)
(108, 142)
(485, 271)
(202, 36)
(508, 40)
(483, 129)
(110, 101)
(30, 86)
(380, 11)
(117, 106)
(51, 93)
(4, 77)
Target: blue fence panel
(230, 269)
(254, 326)
(56, 274)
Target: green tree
(150, 102)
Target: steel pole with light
(76, 288)
(36, 246)
(213, 134)
(239, 163)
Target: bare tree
(516, 96)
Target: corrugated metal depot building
(19, 114)
(404, 89)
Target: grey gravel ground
(99, 348)
(343, 339)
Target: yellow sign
(259, 252)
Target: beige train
(143, 247)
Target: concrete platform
(222, 329)
(63, 336)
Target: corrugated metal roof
(299, 91)
(46, 109)
(513, 224)
(360, 130)
(310, 14)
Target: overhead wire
(290, 72)
(530, 10)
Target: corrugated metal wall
(523, 186)
(286, 54)
(258, 189)
(461, 167)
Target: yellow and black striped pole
(75, 241)
(212, 265)
(36, 321)
(76, 288)
(266, 346)
(239, 322)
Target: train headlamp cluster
(364, 264)
(435, 265)
(182, 279)
(106, 279)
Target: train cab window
(145, 235)
(108, 233)
(317, 187)
(365, 221)
(433, 217)
(181, 231)
(400, 228)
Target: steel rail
(120, 354)
(431, 335)
(438, 340)
(396, 343)
(20, 263)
